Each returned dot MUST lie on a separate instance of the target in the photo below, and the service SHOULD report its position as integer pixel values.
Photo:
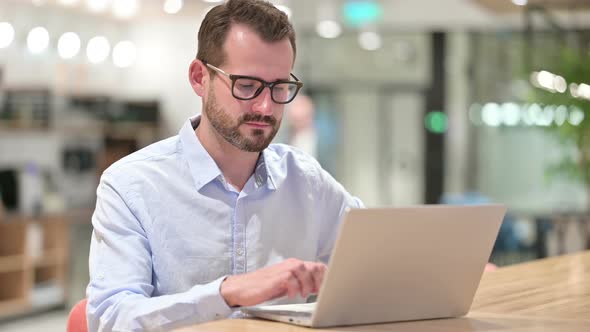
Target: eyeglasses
(248, 87)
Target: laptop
(399, 264)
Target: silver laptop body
(399, 264)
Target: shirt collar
(204, 169)
(263, 173)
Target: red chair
(77, 318)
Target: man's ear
(198, 76)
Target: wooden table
(546, 295)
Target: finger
(305, 278)
(291, 285)
(317, 271)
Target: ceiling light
(97, 6)
(545, 79)
(124, 54)
(547, 116)
(560, 115)
(584, 91)
(6, 34)
(520, 2)
(172, 6)
(559, 84)
(125, 8)
(98, 49)
(38, 40)
(574, 90)
(548, 81)
(68, 3)
(68, 45)
(328, 29)
(576, 116)
(490, 115)
(369, 40)
(510, 114)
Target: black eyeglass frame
(264, 83)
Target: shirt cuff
(216, 306)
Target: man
(215, 217)
(302, 132)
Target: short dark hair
(270, 23)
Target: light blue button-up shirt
(168, 229)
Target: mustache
(258, 118)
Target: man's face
(250, 132)
(249, 125)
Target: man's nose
(263, 103)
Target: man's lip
(258, 124)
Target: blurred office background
(410, 102)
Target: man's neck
(236, 165)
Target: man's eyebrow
(289, 78)
(283, 79)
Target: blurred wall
(375, 96)
(167, 47)
(378, 105)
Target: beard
(253, 141)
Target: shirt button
(239, 251)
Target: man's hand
(291, 277)
(490, 267)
